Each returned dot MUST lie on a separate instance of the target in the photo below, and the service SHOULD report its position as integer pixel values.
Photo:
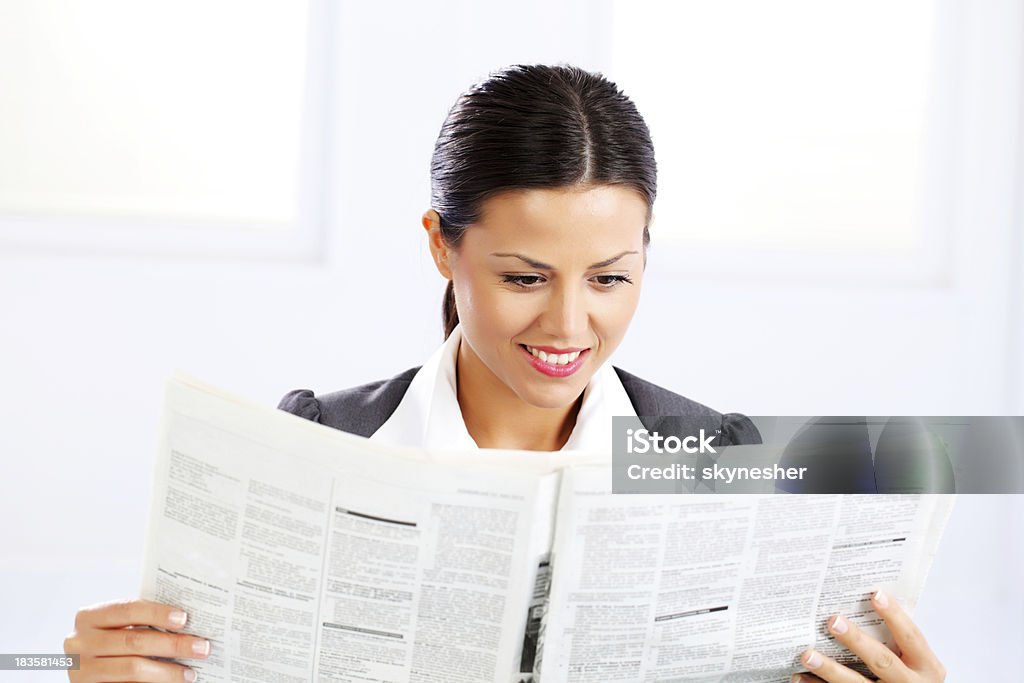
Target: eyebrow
(543, 266)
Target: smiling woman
(543, 181)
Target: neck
(497, 418)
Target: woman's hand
(917, 664)
(112, 649)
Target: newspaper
(305, 554)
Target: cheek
(614, 316)
(509, 313)
(492, 310)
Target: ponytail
(449, 314)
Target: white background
(97, 311)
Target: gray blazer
(363, 409)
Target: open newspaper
(305, 554)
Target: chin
(552, 397)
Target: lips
(553, 356)
(552, 349)
(555, 369)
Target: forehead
(591, 220)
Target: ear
(439, 249)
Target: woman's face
(546, 283)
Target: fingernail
(797, 678)
(813, 660)
(190, 675)
(177, 618)
(881, 599)
(839, 625)
(201, 647)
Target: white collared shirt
(429, 415)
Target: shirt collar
(429, 415)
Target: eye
(611, 281)
(523, 281)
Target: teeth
(554, 358)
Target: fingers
(914, 649)
(140, 669)
(117, 639)
(143, 642)
(882, 661)
(916, 656)
(827, 669)
(121, 613)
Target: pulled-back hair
(537, 126)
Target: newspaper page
(304, 553)
(530, 634)
(729, 587)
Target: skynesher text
(717, 473)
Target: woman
(543, 181)
(554, 170)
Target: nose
(565, 317)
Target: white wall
(89, 335)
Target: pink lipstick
(552, 370)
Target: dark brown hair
(535, 127)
